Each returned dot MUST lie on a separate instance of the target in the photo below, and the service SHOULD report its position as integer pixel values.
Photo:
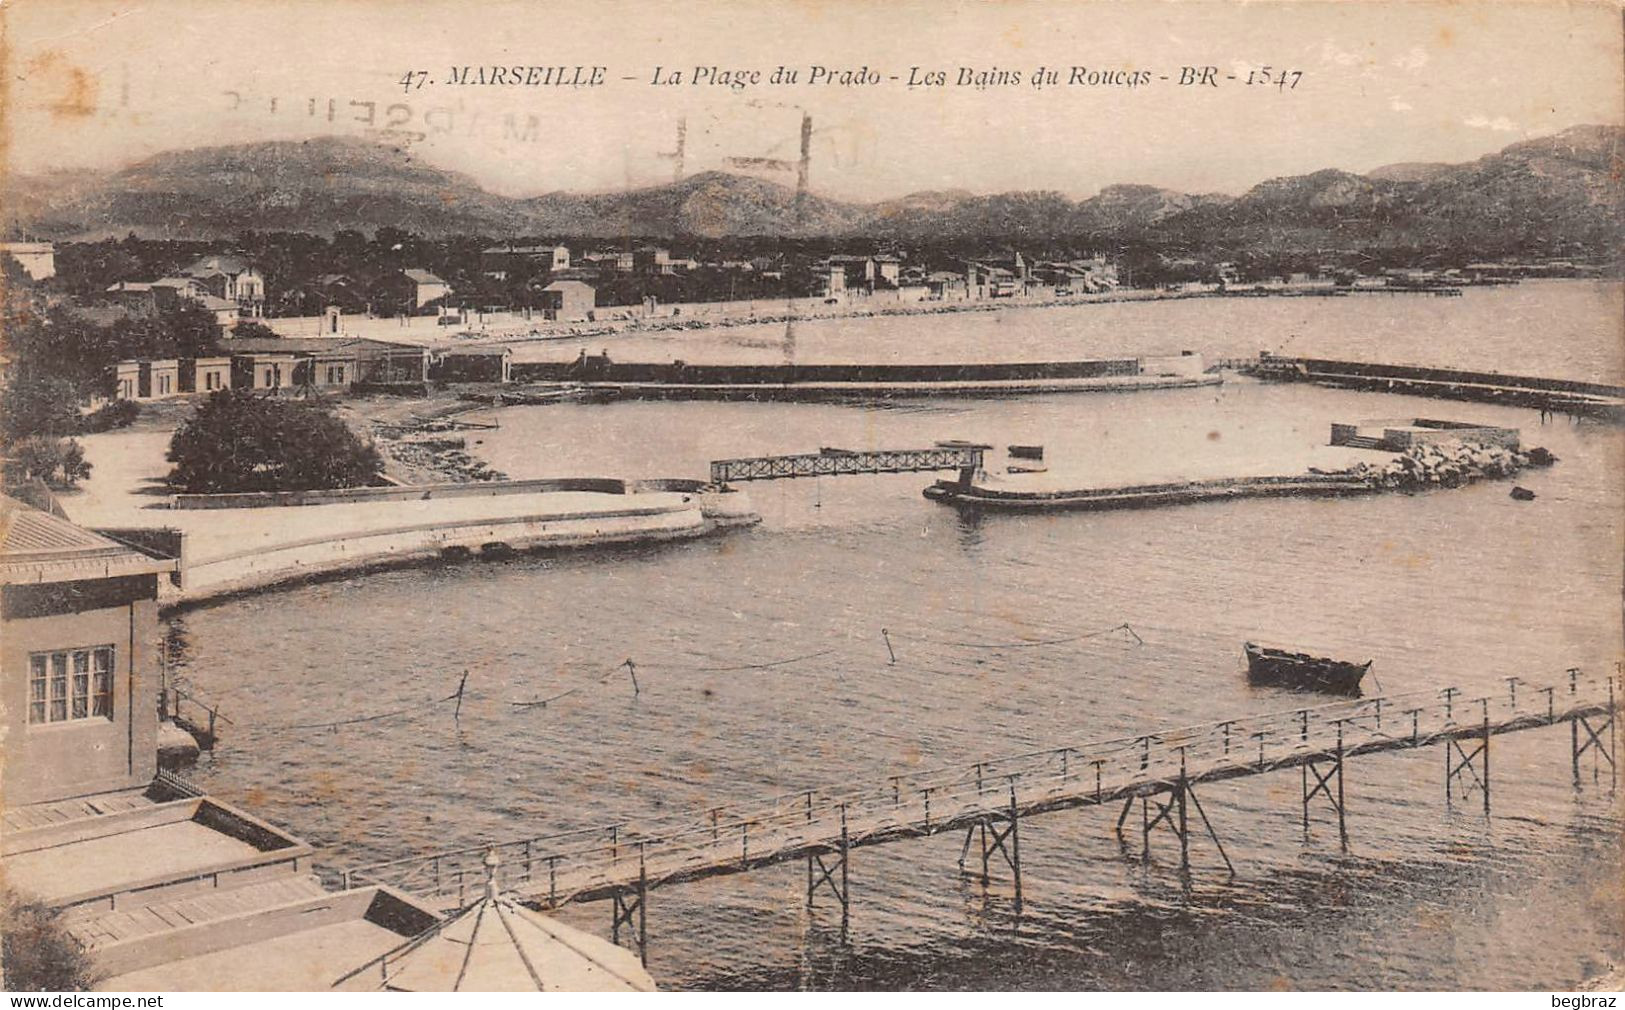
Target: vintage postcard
(1108, 495)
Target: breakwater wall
(1150, 495)
(1565, 395)
(599, 370)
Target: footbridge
(1160, 771)
(833, 462)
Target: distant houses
(501, 262)
(232, 279)
(569, 300)
(408, 292)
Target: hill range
(1562, 192)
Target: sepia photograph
(1111, 496)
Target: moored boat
(1272, 667)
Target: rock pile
(1443, 464)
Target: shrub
(240, 441)
(38, 954)
(255, 329)
(59, 462)
(118, 414)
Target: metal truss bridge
(988, 801)
(833, 462)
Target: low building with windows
(159, 379)
(127, 380)
(270, 370)
(329, 368)
(205, 375)
(78, 671)
(325, 362)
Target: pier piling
(987, 800)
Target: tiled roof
(26, 531)
(422, 276)
(307, 345)
(219, 264)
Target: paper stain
(74, 88)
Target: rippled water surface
(1462, 587)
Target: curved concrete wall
(296, 559)
(412, 492)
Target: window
(341, 373)
(70, 685)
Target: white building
(38, 259)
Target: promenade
(234, 549)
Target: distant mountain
(1552, 192)
(1131, 209)
(1409, 171)
(710, 205)
(322, 185)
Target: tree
(37, 953)
(253, 328)
(38, 403)
(58, 462)
(240, 441)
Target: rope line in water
(543, 702)
(456, 696)
(627, 664)
(1024, 644)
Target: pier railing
(837, 462)
(617, 859)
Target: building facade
(79, 669)
(568, 300)
(38, 259)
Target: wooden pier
(988, 801)
(833, 462)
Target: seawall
(1573, 396)
(262, 544)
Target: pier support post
(1175, 813)
(1469, 767)
(1005, 840)
(1588, 736)
(832, 873)
(1323, 786)
(629, 910)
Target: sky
(95, 84)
